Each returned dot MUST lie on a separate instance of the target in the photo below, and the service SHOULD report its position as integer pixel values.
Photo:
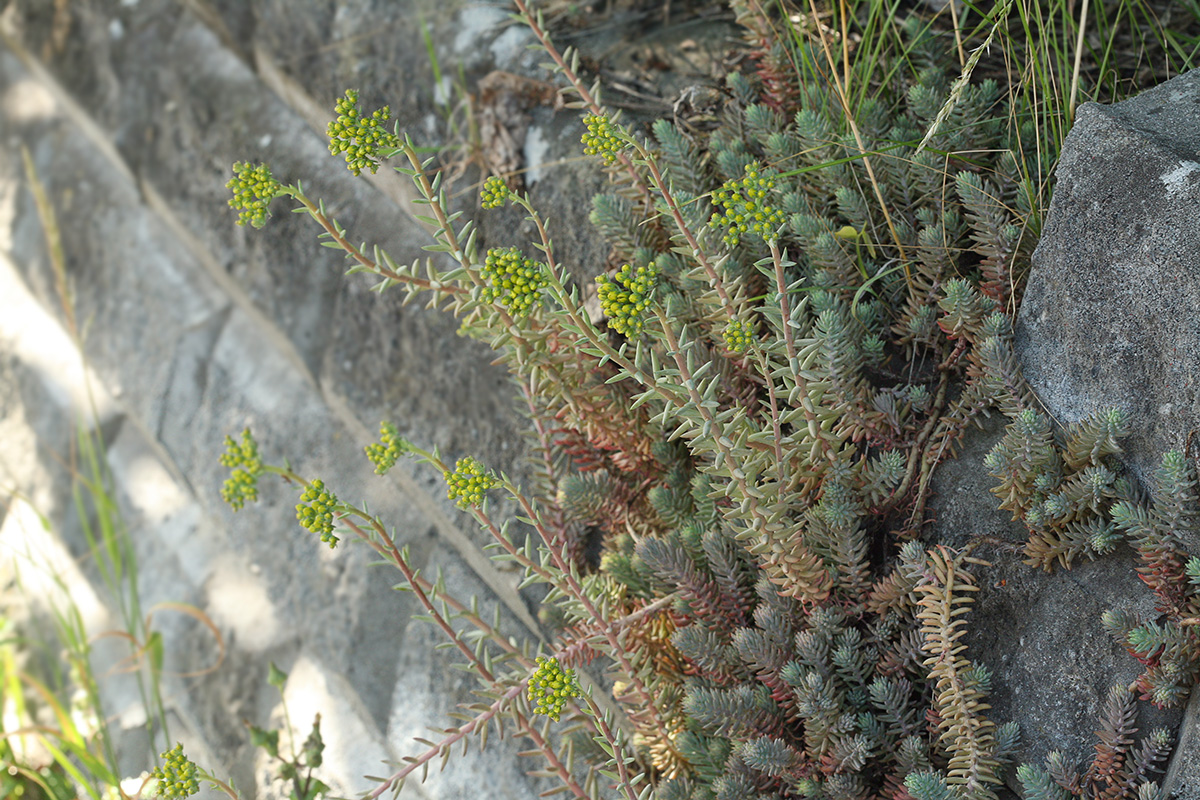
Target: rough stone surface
(1184, 773)
(1039, 633)
(1109, 316)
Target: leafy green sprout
(1193, 570)
(299, 767)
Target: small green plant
(315, 511)
(467, 482)
(298, 769)
(246, 467)
(1117, 767)
(738, 335)
(1069, 492)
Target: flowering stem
(776, 428)
(585, 327)
(478, 724)
(429, 190)
(386, 546)
(383, 544)
(614, 739)
(810, 413)
(334, 232)
(570, 582)
(585, 94)
(764, 530)
(710, 269)
(220, 784)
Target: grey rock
(1039, 633)
(1109, 316)
(1184, 773)
(1108, 319)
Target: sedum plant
(803, 313)
(1117, 767)
(1068, 491)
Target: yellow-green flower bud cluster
(626, 296)
(384, 453)
(513, 281)
(243, 459)
(315, 511)
(601, 138)
(746, 210)
(738, 334)
(494, 192)
(550, 687)
(468, 482)
(253, 190)
(359, 137)
(178, 777)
